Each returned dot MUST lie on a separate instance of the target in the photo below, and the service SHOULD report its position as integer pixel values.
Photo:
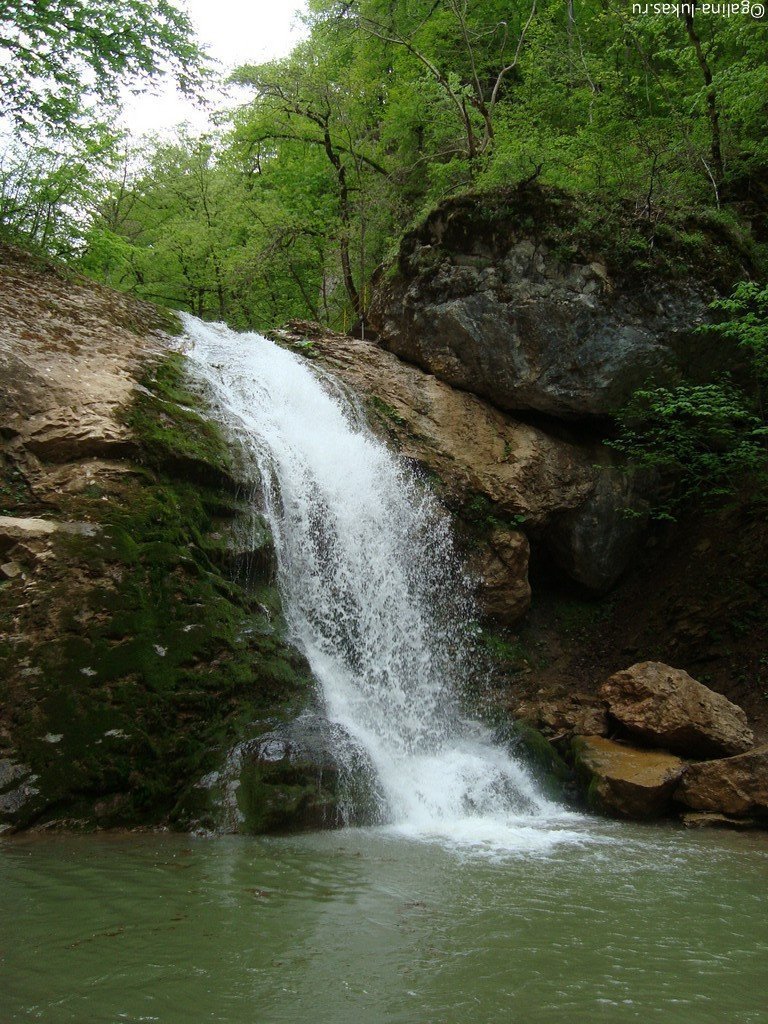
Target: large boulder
(667, 708)
(736, 786)
(502, 295)
(304, 773)
(624, 781)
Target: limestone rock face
(471, 447)
(668, 708)
(140, 625)
(736, 786)
(502, 568)
(568, 501)
(594, 542)
(487, 300)
(624, 781)
(16, 531)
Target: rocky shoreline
(656, 743)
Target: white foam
(375, 597)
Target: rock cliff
(529, 300)
(501, 476)
(134, 649)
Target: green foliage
(64, 59)
(289, 210)
(707, 440)
(745, 323)
(47, 190)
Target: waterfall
(374, 595)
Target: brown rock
(698, 820)
(63, 435)
(501, 566)
(732, 785)
(623, 781)
(668, 708)
(574, 715)
(475, 450)
(71, 355)
(15, 531)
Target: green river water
(360, 927)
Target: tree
(47, 193)
(388, 106)
(61, 59)
(473, 79)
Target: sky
(235, 32)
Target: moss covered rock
(139, 643)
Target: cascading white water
(374, 596)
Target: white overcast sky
(235, 32)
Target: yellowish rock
(625, 781)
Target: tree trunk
(716, 151)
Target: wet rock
(566, 717)
(20, 798)
(485, 299)
(58, 436)
(668, 708)
(501, 565)
(595, 542)
(487, 466)
(12, 772)
(248, 548)
(695, 820)
(734, 786)
(15, 531)
(20, 804)
(300, 775)
(552, 775)
(624, 781)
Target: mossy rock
(553, 776)
(295, 773)
(141, 658)
(485, 224)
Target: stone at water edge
(703, 820)
(624, 781)
(668, 708)
(735, 786)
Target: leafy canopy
(61, 58)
